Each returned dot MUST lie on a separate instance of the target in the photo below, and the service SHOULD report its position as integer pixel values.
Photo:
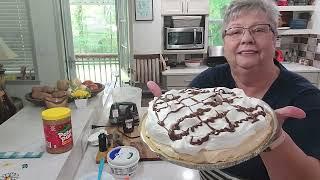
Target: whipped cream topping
(192, 120)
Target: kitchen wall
(147, 34)
(49, 56)
(50, 61)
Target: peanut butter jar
(57, 129)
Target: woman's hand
(154, 88)
(285, 113)
(286, 160)
(289, 111)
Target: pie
(209, 125)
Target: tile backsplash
(301, 47)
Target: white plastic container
(123, 160)
(195, 63)
(81, 103)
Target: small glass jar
(301, 61)
(290, 2)
(128, 123)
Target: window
(92, 29)
(15, 30)
(94, 26)
(216, 8)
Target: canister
(123, 160)
(57, 129)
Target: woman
(250, 30)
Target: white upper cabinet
(172, 7)
(197, 6)
(183, 7)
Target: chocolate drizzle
(217, 98)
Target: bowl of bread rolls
(50, 96)
(58, 99)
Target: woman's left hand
(287, 112)
(286, 160)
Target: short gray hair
(237, 7)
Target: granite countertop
(147, 170)
(23, 132)
(295, 67)
(26, 134)
(184, 71)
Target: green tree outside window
(216, 12)
(94, 28)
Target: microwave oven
(184, 38)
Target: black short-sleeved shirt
(288, 89)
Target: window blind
(15, 30)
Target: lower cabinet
(177, 81)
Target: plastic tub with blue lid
(123, 160)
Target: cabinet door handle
(194, 36)
(182, 7)
(187, 80)
(187, 6)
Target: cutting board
(133, 139)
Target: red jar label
(58, 136)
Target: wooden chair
(7, 107)
(147, 67)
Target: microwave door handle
(194, 36)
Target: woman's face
(250, 49)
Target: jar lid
(123, 156)
(57, 113)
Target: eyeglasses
(256, 31)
